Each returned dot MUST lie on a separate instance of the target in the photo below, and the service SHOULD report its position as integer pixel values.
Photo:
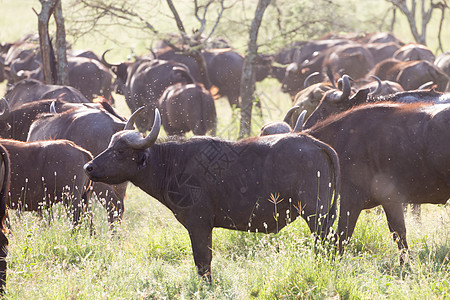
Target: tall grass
(150, 258)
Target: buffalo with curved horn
(276, 127)
(208, 182)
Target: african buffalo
(352, 59)
(390, 154)
(308, 98)
(224, 70)
(411, 52)
(83, 53)
(143, 82)
(29, 90)
(208, 182)
(382, 51)
(23, 60)
(188, 107)
(90, 127)
(87, 75)
(90, 77)
(443, 63)
(5, 173)
(277, 127)
(310, 49)
(28, 66)
(15, 123)
(296, 74)
(335, 102)
(381, 87)
(383, 37)
(47, 172)
(411, 74)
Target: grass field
(150, 256)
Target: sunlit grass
(150, 257)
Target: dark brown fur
(390, 154)
(40, 172)
(90, 127)
(209, 182)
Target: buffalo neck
(163, 160)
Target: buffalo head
(335, 101)
(125, 155)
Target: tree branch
(177, 18)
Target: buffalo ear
(360, 96)
(142, 160)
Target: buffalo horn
(130, 122)
(107, 64)
(5, 112)
(378, 89)
(346, 87)
(144, 143)
(426, 85)
(288, 116)
(306, 83)
(53, 108)
(330, 76)
(299, 124)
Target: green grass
(150, 256)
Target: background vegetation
(150, 256)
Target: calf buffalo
(208, 182)
(390, 154)
(47, 172)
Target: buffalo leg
(348, 214)
(3, 264)
(201, 240)
(396, 223)
(346, 226)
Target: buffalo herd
(368, 127)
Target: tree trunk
(248, 78)
(44, 39)
(62, 77)
(54, 72)
(424, 15)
